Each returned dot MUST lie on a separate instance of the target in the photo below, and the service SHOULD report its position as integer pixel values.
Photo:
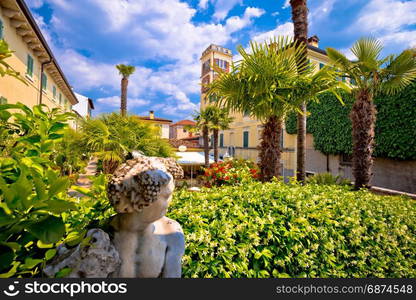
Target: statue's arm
(175, 250)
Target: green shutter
(1, 30)
(29, 69)
(245, 139)
(321, 65)
(44, 81)
(221, 140)
(54, 92)
(60, 98)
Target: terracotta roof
(184, 122)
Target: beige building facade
(33, 59)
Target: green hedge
(395, 126)
(278, 230)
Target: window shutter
(1, 29)
(321, 65)
(245, 139)
(29, 69)
(221, 140)
(44, 81)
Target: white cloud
(380, 16)
(143, 30)
(285, 29)
(286, 4)
(35, 3)
(222, 8)
(203, 4)
(114, 101)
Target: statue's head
(144, 185)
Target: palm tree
(219, 119)
(107, 148)
(125, 71)
(266, 84)
(300, 28)
(371, 75)
(202, 119)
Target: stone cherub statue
(149, 243)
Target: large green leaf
(59, 185)
(49, 230)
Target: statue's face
(158, 208)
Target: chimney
(151, 115)
(313, 41)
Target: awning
(192, 158)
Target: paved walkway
(83, 180)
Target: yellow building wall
(16, 91)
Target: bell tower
(213, 55)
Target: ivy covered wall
(330, 125)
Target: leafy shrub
(231, 172)
(36, 213)
(112, 138)
(277, 230)
(32, 192)
(395, 136)
(328, 179)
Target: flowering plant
(231, 172)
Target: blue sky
(164, 40)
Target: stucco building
(180, 130)
(84, 106)
(32, 57)
(162, 123)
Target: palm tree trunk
(123, 104)
(206, 145)
(363, 118)
(215, 134)
(300, 23)
(270, 151)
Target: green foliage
(327, 179)
(125, 70)
(113, 137)
(330, 124)
(5, 68)
(71, 152)
(232, 172)
(266, 82)
(278, 230)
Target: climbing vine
(330, 125)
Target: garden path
(83, 180)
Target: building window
(54, 92)
(184, 130)
(1, 30)
(29, 69)
(321, 66)
(245, 139)
(44, 79)
(60, 99)
(222, 64)
(3, 100)
(221, 140)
